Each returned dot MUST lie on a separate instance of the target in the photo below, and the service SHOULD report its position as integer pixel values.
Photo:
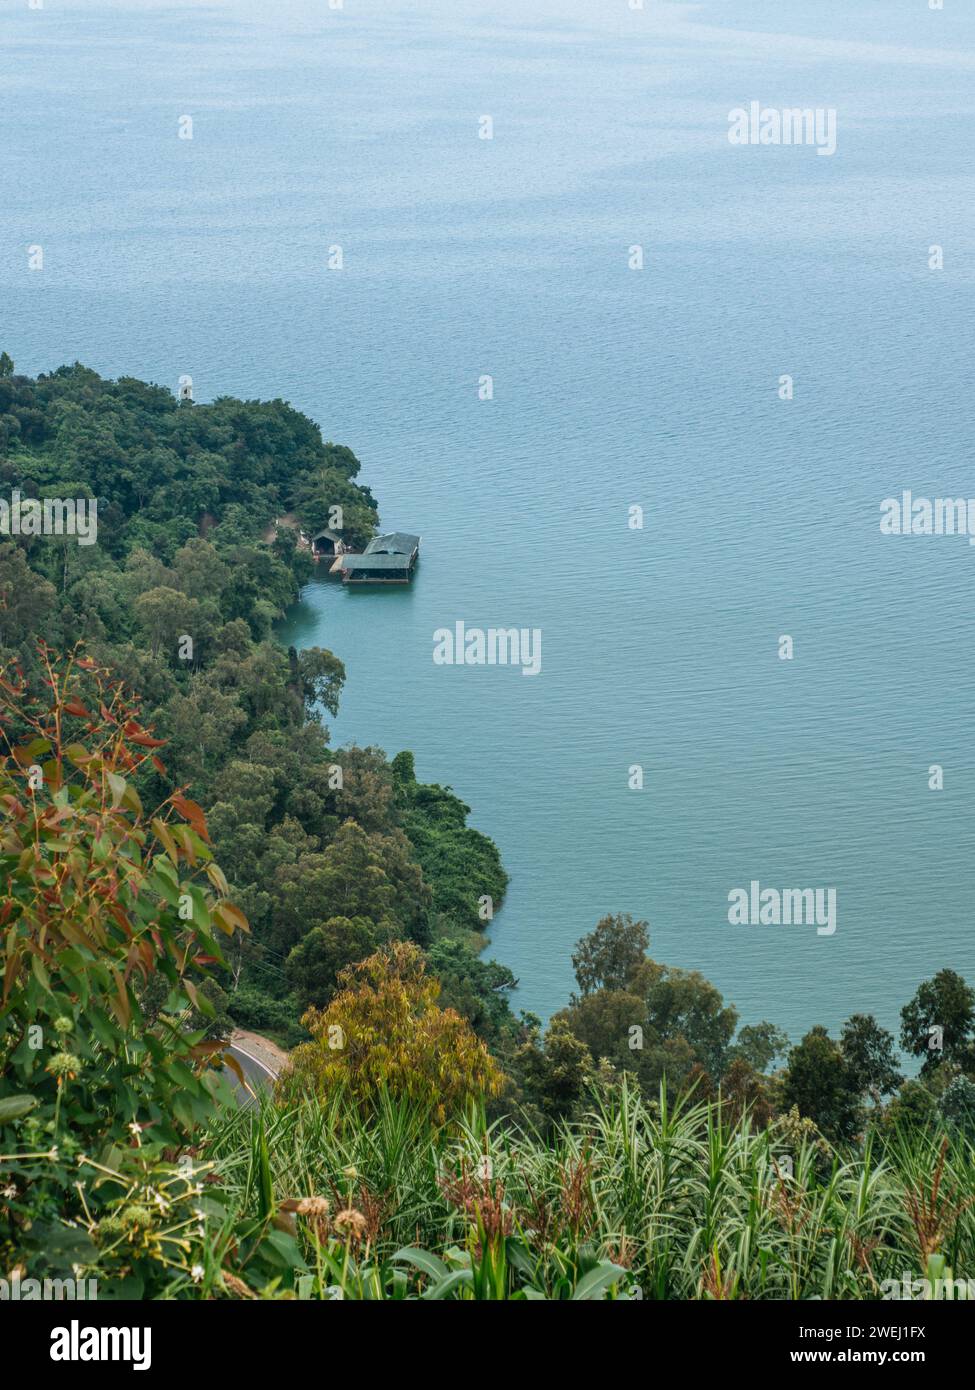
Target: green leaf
(43, 979)
(160, 884)
(119, 787)
(264, 1178)
(15, 1107)
(183, 1110)
(443, 1289)
(423, 1261)
(598, 1280)
(285, 1248)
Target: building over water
(388, 559)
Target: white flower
(196, 1273)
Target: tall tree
(25, 597)
(868, 1051)
(818, 1081)
(939, 1022)
(385, 1034)
(608, 955)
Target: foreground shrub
(103, 906)
(384, 1033)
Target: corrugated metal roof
(375, 561)
(393, 543)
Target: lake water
(613, 388)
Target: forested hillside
(331, 853)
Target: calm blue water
(613, 388)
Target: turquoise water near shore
(612, 388)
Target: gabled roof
(393, 543)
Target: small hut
(327, 543)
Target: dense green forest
(331, 852)
(184, 850)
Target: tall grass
(636, 1201)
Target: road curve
(259, 1074)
